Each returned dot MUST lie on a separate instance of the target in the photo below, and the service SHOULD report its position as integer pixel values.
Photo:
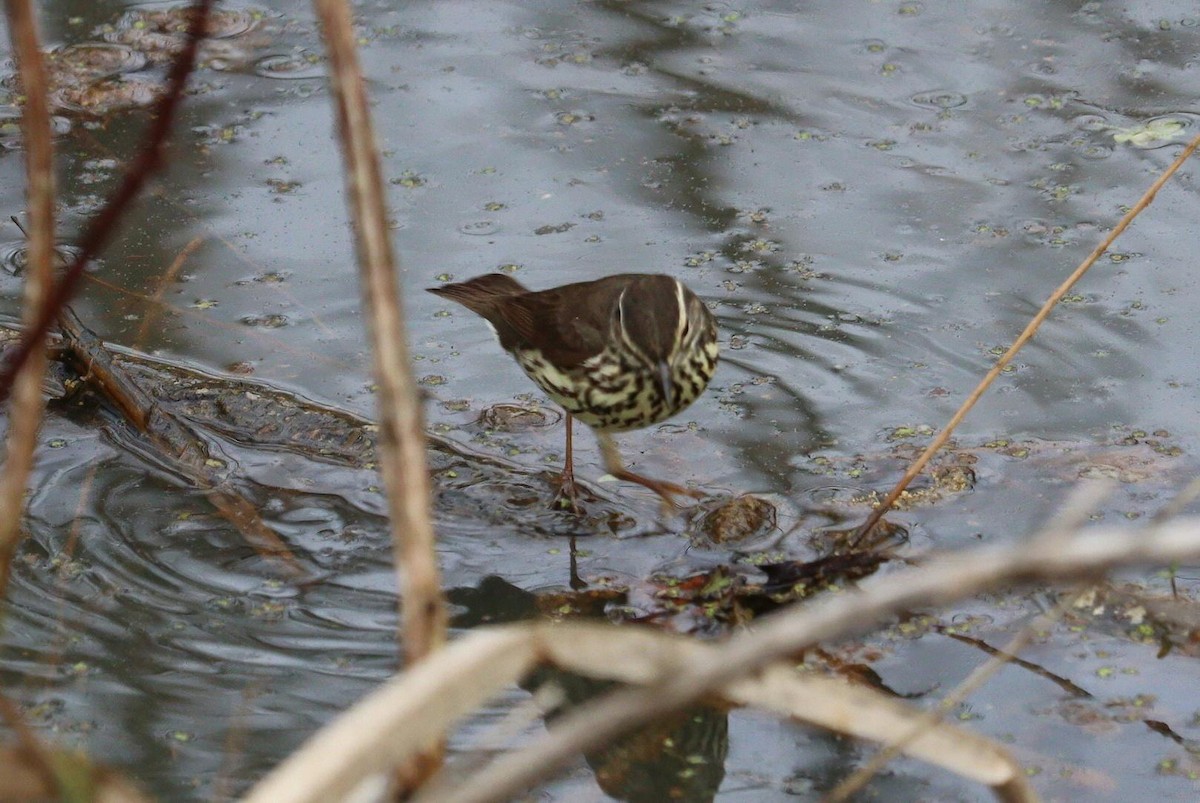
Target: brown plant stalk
(401, 436)
(28, 403)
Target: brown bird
(618, 353)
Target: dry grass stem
(401, 425)
(26, 413)
(1025, 336)
(1188, 494)
(402, 438)
(21, 783)
(33, 772)
(34, 760)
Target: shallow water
(872, 197)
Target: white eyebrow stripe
(682, 302)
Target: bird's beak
(665, 384)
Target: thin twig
(282, 346)
(1025, 336)
(978, 676)
(34, 751)
(1065, 523)
(150, 318)
(172, 439)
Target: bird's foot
(567, 496)
(667, 491)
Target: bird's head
(661, 321)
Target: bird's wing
(569, 324)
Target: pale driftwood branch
(647, 657)
(402, 438)
(940, 581)
(413, 711)
(27, 405)
(403, 718)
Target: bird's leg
(613, 465)
(566, 498)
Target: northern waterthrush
(618, 353)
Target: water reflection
(677, 758)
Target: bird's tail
(478, 293)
